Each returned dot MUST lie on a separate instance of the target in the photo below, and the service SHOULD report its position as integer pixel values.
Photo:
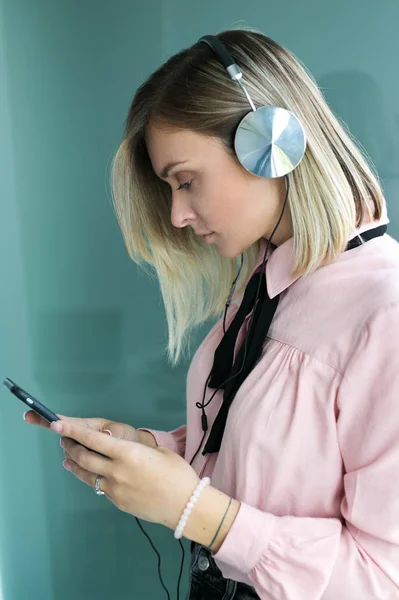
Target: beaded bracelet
(189, 507)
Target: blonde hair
(330, 191)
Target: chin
(233, 250)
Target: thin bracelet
(227, 510)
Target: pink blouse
(311, 445)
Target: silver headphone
(270, 141)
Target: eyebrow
(169, 167)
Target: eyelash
(184, 186)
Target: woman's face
(212, 192)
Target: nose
(182, 214)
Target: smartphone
(34, 404)
(30, 401)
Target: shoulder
(373, 269)
(373, 302)
(361, 281)
(329, 313)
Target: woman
(307, 454)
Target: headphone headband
(220, 49)
(228, 62)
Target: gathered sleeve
(355, 556)
(174, 440)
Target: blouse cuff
(247, 539)
(165, 438)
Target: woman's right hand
(118, 430)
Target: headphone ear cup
(270, 142)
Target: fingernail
(66, 465)
(24, 415)
(107, 431)
(62, 442)
(56, 426)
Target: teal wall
(80, 327)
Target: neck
(285, 230)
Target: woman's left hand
(153, 484)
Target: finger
(95, 423)
(93, 440)
(87, 460)
(85, 476)
(33, 418)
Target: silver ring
(97, 486)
